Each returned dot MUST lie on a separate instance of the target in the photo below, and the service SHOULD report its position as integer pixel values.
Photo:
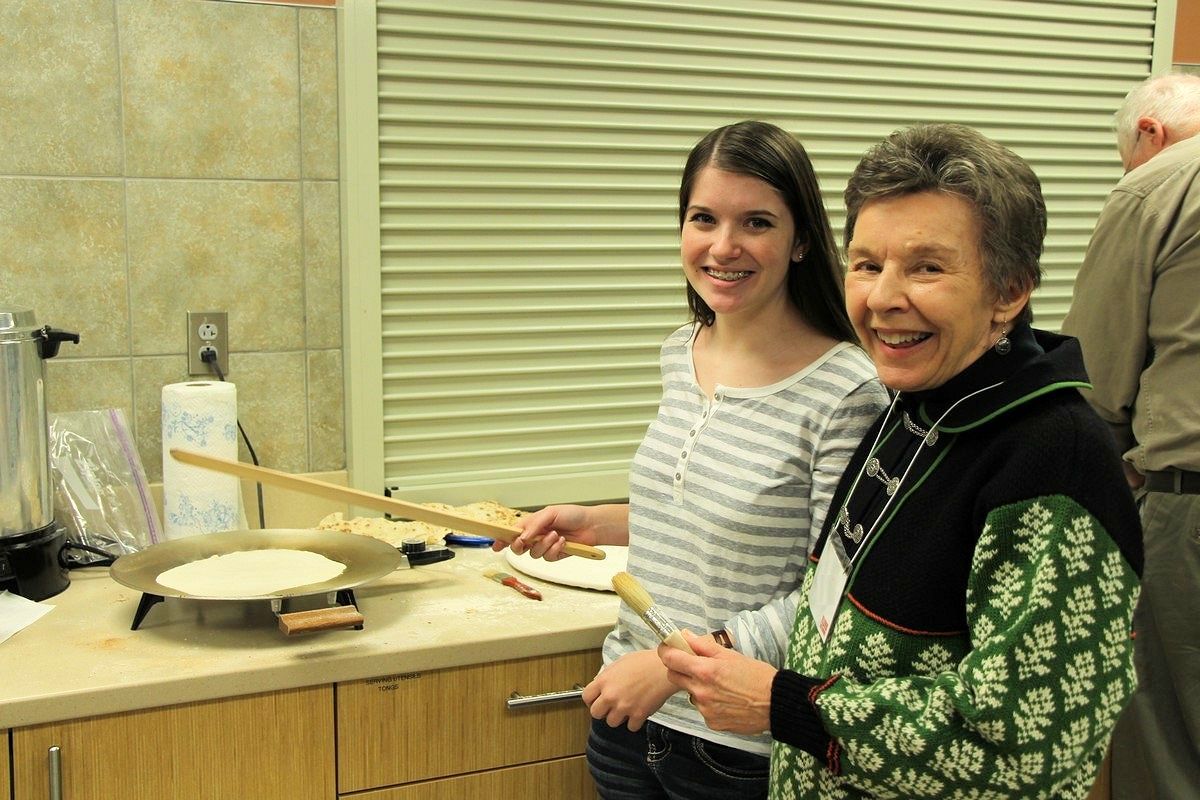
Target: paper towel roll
(200, 416)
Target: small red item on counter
(509, 580)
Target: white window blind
(529, 159)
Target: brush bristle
(632, 592)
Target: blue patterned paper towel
(200, 416)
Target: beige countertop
(83, 660)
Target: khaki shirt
(1136, 311)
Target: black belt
(1173, 481)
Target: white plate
(574, 571)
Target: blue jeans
(657, 763)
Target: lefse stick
(357, 497)
(640, 601)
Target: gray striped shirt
(727, 496)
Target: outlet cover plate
(207, 329)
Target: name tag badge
(828, 584)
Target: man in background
(1136, 311)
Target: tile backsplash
(166, 155)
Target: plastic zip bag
(101, 496)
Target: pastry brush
(510, 581)
(637, 598)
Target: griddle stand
(341, 597)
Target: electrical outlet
(207, 331)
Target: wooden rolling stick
(357, 497)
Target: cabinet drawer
(563, 779)
(276, 746)
(426, 725)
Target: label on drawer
(390, 683)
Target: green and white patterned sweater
(982, 647)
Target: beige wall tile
(210, 89)
(322, 265)
(150, 375)
(64, 258)
(284, 509)
(326, 411)
(318, 94)
(270, 402)
(59, 99)
(86, 384)
(272, 408)
(330, 3)
(216, 246)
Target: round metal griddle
(365, 558)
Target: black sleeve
(794, 718)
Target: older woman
(966, 630)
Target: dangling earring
(1003, 345)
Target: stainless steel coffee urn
(30, 542)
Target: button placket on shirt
(698, 426)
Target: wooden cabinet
(5, 790)
(563, 779)
(439, 735)
(432, 725)
(276, 746)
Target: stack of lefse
(395, 532)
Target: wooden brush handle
(677, 641)
(356, 497)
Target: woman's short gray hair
(999, 185)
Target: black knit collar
(1038, 362)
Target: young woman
(765, 396)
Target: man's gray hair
(1172, 99)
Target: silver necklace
(930, 436)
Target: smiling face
(737, 241)
(917, 292)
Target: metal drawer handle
(55, 754)
(518, 700)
